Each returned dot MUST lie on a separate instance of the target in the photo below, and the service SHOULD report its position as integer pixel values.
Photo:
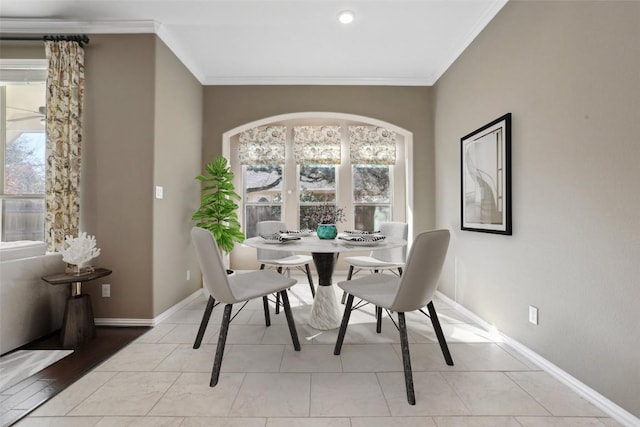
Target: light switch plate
(159, 192)
(533, 314)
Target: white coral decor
(80, 249)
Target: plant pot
(327, 231)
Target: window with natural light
(22, 150)
(288, 191)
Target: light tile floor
(159, 380)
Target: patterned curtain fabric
(65, 91)
(262, 146)
(317, 145)
(372, 145)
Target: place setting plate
(297, 233)
(362, 240)
(361, 233)
(278, 239)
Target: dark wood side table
(78, 326)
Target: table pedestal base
(78, 326)
(325, 312)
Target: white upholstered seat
(238, 288)
(412, 291)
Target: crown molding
(37, 26)
(469, 37)
(314, 80)
(175, 47)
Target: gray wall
(143, 127)
(117, 170)
(177, 156)
(226, 107)
(570, 74)
(143, 121)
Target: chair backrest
(420, 277)
(270, 227)
(214, 275)
(395, 230)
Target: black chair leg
(279, 270)
(204, 322)
(343, 325)
(344, 294)
(436, 326)
(290, 322)
(222, 339)
(378, 319)
(406, 359)
(313, 290)
(265, 305)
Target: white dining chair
(381, 259)
(283, 261)
(410, 292)
(238, 288)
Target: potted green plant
(218, 209)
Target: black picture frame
(485, 178)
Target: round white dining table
(325, 312)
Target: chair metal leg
(313, 290)
(343, 325)
(406, 359)
(344, 294)
(265, 305)
(290, 322)
(378, 319)
(204, 322)
(436, 326)
(222, 339)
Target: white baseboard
(605, 405)
(149, 322)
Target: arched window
(285, 165)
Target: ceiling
(222, 42)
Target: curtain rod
(80, 38)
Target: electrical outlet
(106, 290)
(533, 314)
(188, 274)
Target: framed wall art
(485, 167)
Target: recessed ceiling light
(346, 16)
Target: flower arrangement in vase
(325, 216)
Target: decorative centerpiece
(79, 251)
(326, 216)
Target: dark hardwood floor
(38, 388)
